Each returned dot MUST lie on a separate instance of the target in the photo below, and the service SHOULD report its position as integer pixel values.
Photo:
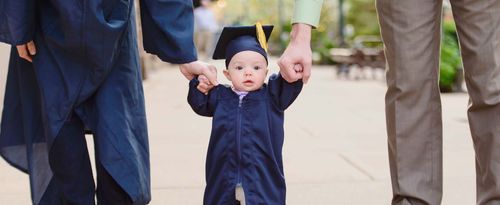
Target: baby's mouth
(248, 82)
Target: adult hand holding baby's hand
(205, 85)
(190, 70)
(296, 61)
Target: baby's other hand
(204, 86)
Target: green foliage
(324, 37)
(359, 14)
(446, 77)
(322, 43)
(362, 15)
(450, 57)
(247, 12)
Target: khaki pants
(411, 33)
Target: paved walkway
(335, 148)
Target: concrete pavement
(335, 148)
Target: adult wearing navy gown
(85, 73)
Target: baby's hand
(204, 86)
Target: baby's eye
(239, 68)
(256, 67)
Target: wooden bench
(360, 55)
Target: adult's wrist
(301, 33)
(188, 65)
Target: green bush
(450, 57)
(322, 43)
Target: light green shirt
(307, 11)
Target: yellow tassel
(261, 36)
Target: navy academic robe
(86, 63)
(246, 141)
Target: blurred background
(335, 150)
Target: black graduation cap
(235, 39)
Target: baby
(244, 160)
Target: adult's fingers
(283, 69)
(286, 70)
(211, 74)
(22, 50)
(31, 48)
(306, 71)
(185, 71)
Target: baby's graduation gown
(86, 63)
(246, 141)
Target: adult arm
(167, 28)
(307, 12)
(296, 61)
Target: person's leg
(411, 34)
(118, 120)
(70, 163)
(108, 191)
(52, 196)
(478, 26)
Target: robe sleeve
(202, 104)
(283, 93)
(17, 21)
(167, 29)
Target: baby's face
(247, 71)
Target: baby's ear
(226, 73)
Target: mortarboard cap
(235, 39)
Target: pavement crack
(357, 167)
(308, 131)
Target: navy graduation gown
(246, 141)
(86, 63)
